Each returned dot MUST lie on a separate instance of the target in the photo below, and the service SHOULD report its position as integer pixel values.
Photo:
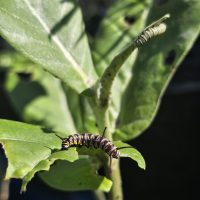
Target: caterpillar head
(65, 144)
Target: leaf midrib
(59, 44)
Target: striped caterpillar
(88, 140)
(154, 29)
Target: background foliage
(52, 35)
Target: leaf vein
(56, 40)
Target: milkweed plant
(64, 79)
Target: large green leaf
(71, 155)
(79, 175)
(39, 98)
(156, 64)
(31, 149)
(130, 152)
(25, 146)
(52, 35)
(123, 22)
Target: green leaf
(70, 155)
(76, 176)
(131, 152)
(38, 99)
(25, 146)
(155, 66)
(123, 22)
(52, 35)
(29, 150)
(81, 111)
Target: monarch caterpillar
(154, 29)
(97, 141)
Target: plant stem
(102, 118)
(110, 73)
(4, 192)
(100, 102)
(114, 174)
(99, 195)
(154, 29)
(116, 192)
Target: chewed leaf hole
(161, 2)
(101, 171)
(170, 57)
(129, 20)
(24, 76)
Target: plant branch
(103, 121)
(99, 195)
(110, 73)
(116, 192)
(100, 104)
(4, 192)
(102, 118)
(154, 29)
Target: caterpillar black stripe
(156, 28)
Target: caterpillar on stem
(154, 29)
(94, 140)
